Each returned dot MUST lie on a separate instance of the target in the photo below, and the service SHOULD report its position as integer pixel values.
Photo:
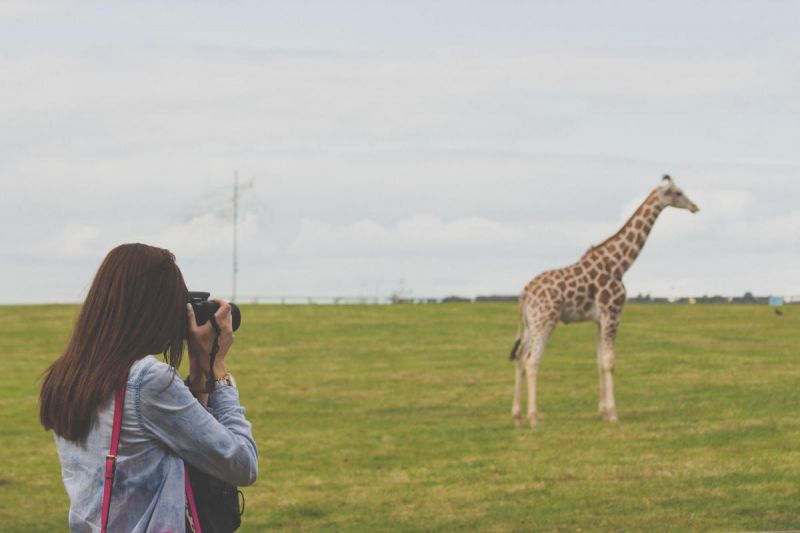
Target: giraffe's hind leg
(519, 377)
(538, 341)
(520, 353)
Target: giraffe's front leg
(608, 406)
(601, 402)
(608, 330)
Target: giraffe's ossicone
(590, 289)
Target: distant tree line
(746, 298)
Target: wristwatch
(226, 380)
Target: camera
(205, 308)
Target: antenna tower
(235, 231)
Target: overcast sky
(442, 147)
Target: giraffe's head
(671, 196)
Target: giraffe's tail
(513, 354)
(520, 329)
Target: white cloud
(216, 101)
(724, 203)
(69, 243)
(421, 234)
(430, 236)
(778, 232)
(207, 234)
(25, 9)
(458, 170)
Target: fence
(387, 300)
(316, 300)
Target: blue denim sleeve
(219, 442)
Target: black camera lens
(205, 309)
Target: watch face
(227, 380)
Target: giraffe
(590, 289)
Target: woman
(137, 307)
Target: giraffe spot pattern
(592, 291)
(593, 284)
(605, 296)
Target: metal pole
(235, 223)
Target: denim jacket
(162, 425)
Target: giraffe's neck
(620, 250)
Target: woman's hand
(201, 340)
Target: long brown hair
(136, 306)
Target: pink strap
(111, 458)
(190, 499)
(111, 465)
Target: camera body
(205, 308)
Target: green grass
(398, 418)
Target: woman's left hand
(201, 341)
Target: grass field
(397, 418)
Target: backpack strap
(111, 458)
